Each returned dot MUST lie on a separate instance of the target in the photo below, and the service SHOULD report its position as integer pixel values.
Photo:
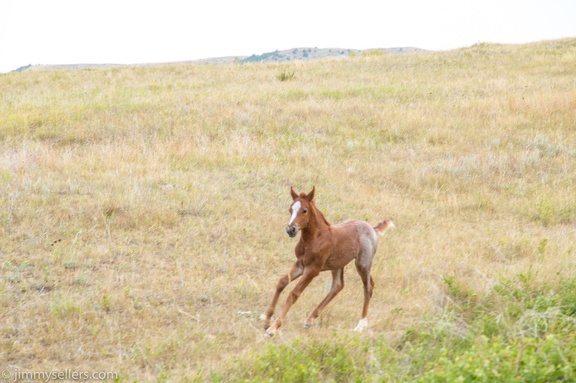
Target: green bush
(495, 360)
(285, 76)
(519, 332)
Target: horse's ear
(293, 194)
(310, 195)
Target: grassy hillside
(143, 213)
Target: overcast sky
(145, 31)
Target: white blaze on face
(295, 209)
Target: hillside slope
(143, 215)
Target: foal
(325, 247)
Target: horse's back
(360, 232)
(356, 227)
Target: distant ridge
(294, 54)
(303, 54)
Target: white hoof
(362, 325)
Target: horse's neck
(321, 218)
(317, 223)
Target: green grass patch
(519, 332)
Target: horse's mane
(319, 214)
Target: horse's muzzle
(292, 231)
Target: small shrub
(522, 360)
(285, 76)
(459, 292)
(551, 212)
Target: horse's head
(299, 211)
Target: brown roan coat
(323, 247)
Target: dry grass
(143, 208)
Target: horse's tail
(383, 226)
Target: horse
(325, 247)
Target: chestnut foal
(325, 247)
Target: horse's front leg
(295, 271)
(307, 276)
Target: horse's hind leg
(337, 286)
(364, 272)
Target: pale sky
(146, 31)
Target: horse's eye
(304, 211)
